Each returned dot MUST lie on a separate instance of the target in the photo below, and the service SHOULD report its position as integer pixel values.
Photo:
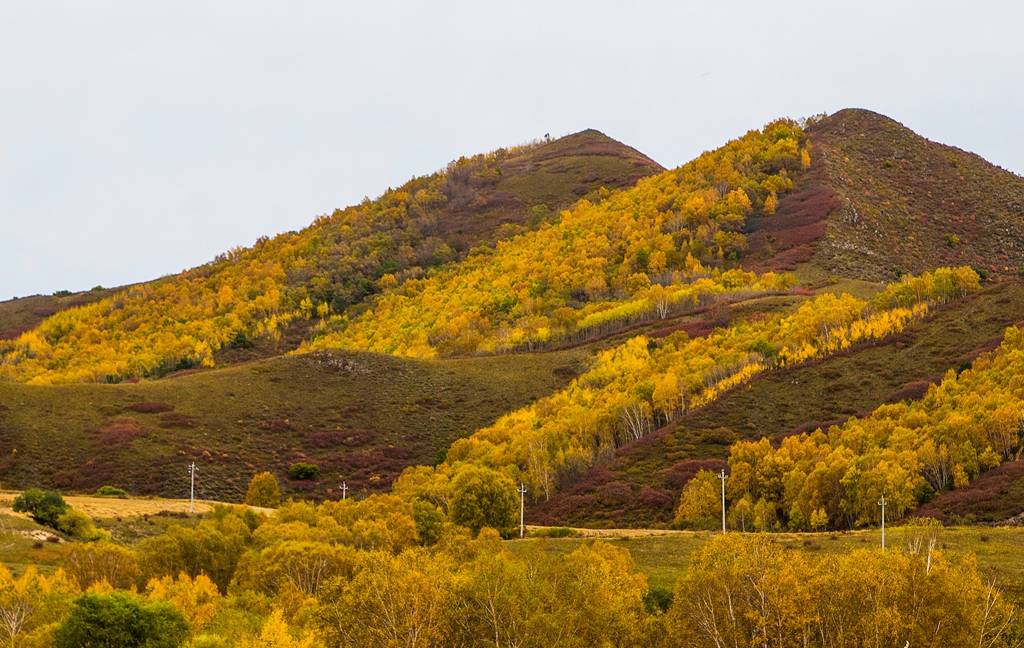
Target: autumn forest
(544, 329)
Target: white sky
(141, 138)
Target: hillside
(880, 200)
(640, 485)
(25, 313)
(663, 297)
(263, 300)
(360, 417)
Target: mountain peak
(880, 200)
(592, 142)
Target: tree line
(404, 571)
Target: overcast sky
(141, 138)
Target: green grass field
(360, 417)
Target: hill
(640, 485)
(263, 300)
(25, 313)
(880, 200)
(359, 417)
(687, 257)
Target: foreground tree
(105, 620)
(743, 590)
(399, 601)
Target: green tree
(263, 491)
(482, 497)
(429, 522)
(213, 547)
(105, 620)
(45, 506)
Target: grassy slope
(554, 175)
(900, 196)
(880, 200)
(639, 487)
(361, 417)
(20, 315)
(664, 557)
(995, 496)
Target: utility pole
(522, 508)
(344, 490)
(881, 503)
(722, 476)
(192, 487)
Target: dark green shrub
(658, 599)
(303, 471)
(429, 521)
(111, 491)
(102, 620)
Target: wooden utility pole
(722, 476)
(522, 508)
(882, 503)
(192, 487)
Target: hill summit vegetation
(274, 292)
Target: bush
(100, 620)
(44, 506)
(77, 525)
(111, 491)
(263, 491)
(303, 471)
(658, 599)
